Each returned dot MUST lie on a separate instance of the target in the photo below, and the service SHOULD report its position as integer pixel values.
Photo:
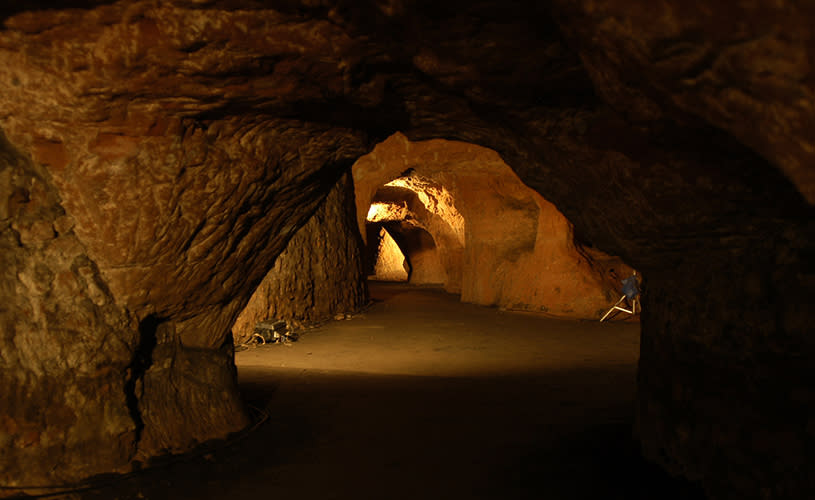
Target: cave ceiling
(650, 109)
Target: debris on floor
(273, 331)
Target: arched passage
(422, 216)
(416, 244)
(161, 156)
(498, 242)
(421, 251)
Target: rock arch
(158, 158)
(499, 242)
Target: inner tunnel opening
(403, 218)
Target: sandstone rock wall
(391, 263)
(318, 275)
(65, 347)
(187, 142)
(739, 358)
(182, 184)
(744, 67)
(510, 248)
(722, 389)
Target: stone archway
(160, 156)
(499, 242)
(420, 249)
(423, 217)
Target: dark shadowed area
(421, 396)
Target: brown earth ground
(423, 397)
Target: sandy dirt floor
(422, 397)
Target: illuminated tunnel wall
(464, 220)
(387, 262)
(417, 212)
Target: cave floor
(422, 397)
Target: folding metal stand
(631, 295)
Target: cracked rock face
(64, 347)
(160, 156)
(744, 67)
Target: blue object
(630, 288)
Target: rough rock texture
(499, 242)
(425, 263)
(318, 275)
(390, 263)
(741, 360)
(65, 347)
(723, 392)
(188, 141)
(745, 67)
(180, 198)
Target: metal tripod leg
(613, 308)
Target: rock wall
(499, 242)
(739, 359)
(65, 347)
(181, 188)
(187, 142)
(318, 275)
(390, 263)
(722, 389)
(744, 67)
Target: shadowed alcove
(173, 173)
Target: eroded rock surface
(390, 263)
(318, 276)
(744, 67)
(187, 142)
(65, 347)
(497, 241)
(182, 188)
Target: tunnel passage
(465, 220)
(161, 157)
(415, 243)
(455, 215)
(417, 212)
(317, 276)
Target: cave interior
(174, 172)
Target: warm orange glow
(390, 261)
(387, 212)
(437, 200)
